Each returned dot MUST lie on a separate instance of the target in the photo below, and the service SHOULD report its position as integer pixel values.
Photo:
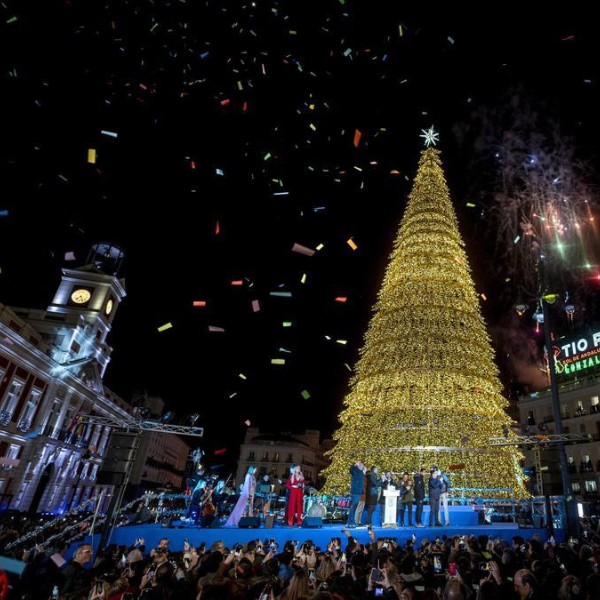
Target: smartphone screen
(378, 591)
(375, 575)
(452, 569)
(437, 564)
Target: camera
(378, 591)
(375, 575)
(484, 566)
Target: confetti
(351, 243)
(303, 278)
(320, 247)
(237, 282)
(287, 323)
(91, 156)
(214, 329)
(70, 256)
(221, 451)
(242, 376)
(305, 394)
(278, 361)
(470, 205)
(165, 327)
(281, 294)
(484, 297)
(357, 136)
(220, 172)
(111, 134)
(341, 299)
(255, 305)
(4, 212)
(217, 228)
(247, 422)
(298, 248)
(199, 303)
(342, 342)
(516, 239)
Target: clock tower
(83, 310)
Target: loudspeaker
(269, 521)
(249, 522)
(312, 522)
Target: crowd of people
(435, 568)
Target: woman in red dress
(296, 486)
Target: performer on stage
(287, 495)
(406, 498)
(373, 492)
(295, 484)
(445, 482)
(357, 471)
(246, 500)
(387, 480)
(196, 484)
(435, 488)
(419, 489)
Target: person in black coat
(419, 487)
(357, 483)
(435, 489)
(374, 483)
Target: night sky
(270, 94)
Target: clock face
(109, 307)
(81, 296)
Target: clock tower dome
(83, 310)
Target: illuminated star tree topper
(431, 136)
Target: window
(531, 418)
(75, 347)
(289, 458)
(564, 411)
(29, 411)
(10, 401)
(576, 487)
(590, 486)
(595, 404)
(582, 428)
(276, 457)
(250, 456)
(265, 457)
(11, 458)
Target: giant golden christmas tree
(426, 389)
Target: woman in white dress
(246, 500)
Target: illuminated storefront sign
(577, 354)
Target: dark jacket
(435, 487)
(74, 578)
(357, 483)
(406, 491)
(419, 487)
(373, 488)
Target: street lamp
(545, 299)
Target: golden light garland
(426, 389)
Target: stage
(321, 537)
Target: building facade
(51, 367)
(161, 457)
(580, 412)
(273, 453)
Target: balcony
(5, 418)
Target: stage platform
(321, 537)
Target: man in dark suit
(420, 495)
(373, 492)
(357, 483)
(435, 489)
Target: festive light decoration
(426, 389)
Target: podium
(391, 503)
